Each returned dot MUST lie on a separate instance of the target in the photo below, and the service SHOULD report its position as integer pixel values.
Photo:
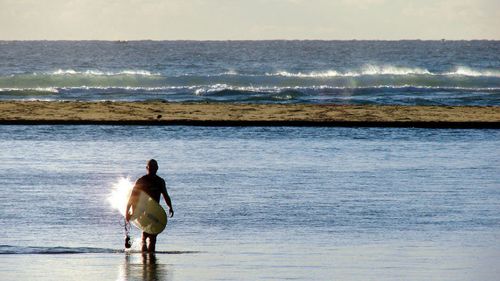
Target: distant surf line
(365, 70)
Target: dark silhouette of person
(154, 186)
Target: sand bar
(230, 114)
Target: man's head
(152, 167)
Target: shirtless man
(154, 186)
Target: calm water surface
(254, 203)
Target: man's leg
(152, 243)
(144, 237)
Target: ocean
(341, 72)
(254, 203)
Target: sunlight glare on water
(120, 194)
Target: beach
(233, 114)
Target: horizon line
(239, 40)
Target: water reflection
(143, 266)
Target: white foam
(230, 72)
(202, 90)
(36, 89)
(373, 70)
(102, 73)
(64, 72)
(319, 74)
(390, 70)
(138, 72)
(212, 88)
(467, 71)
(367, 70)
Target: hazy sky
(249, 19)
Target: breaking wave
(369, 76)
(365, 71)
(369, 84)
(374, 70)
(100, 73)
(467, 71)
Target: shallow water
(254, 203)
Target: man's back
(153, 185)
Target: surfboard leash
(126, 227)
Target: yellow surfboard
(148, 215)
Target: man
(154, 186)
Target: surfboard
(148, 215)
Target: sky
(248, 19)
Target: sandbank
(234, 114)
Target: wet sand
(230, 114)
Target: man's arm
(127, 214)
(169, 203)
(131, 201)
